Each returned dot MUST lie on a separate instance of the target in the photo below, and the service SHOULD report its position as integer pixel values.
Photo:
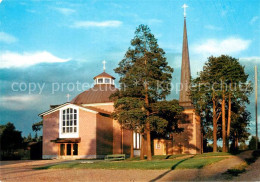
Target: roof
(97, 94)
(104, 74)
(62, 105)
(67, 140)
(87, 108)
(54, 106)
(98, 110)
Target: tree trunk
(215, 126)
(147, 127)
(142, 147)
(229, 118)
(148, 134)
(132, 145)
(224, 122)
(235, 140)
(201, 145)
(236, 143)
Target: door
(62, 149)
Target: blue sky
(46, 42)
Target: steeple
(185, 100)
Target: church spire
(185, 100)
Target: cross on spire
(184, 8)
(104, 65)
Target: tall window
(137, 140)
(69, 120)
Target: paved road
(23, 171)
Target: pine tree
(226, 83)
(145, 79)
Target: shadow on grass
(44, 167)
(172, 168)
(168, 156)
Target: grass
(213, 154)
(160, 157)
(188, 163)
(163, 157)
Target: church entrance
(68, 149)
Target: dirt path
(209, 173)
(215, 171)
(252, 173)
(23, 171)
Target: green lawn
(160, 157)
(188, 163)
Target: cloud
(253, 20)
(19, 102)
(88, 24)
(65, 11)
(212, 27)
(218, 47)
(12, 59)
(253, 60)
(7, 38)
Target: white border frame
(104, 78)
(68, 135)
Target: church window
(69, 120)
(158, 145)
(100, 80)
(137, 140)
(107, 80)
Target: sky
(48, 49)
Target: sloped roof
(98, 94)
(104, 74)
(98, 110)
(62, 105)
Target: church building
(83, 128)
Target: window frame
(72, 134)
(136, 141)
(109, 80)
(100, 79)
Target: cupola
(104, 78)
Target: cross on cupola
(104, 78)
(104, 65)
